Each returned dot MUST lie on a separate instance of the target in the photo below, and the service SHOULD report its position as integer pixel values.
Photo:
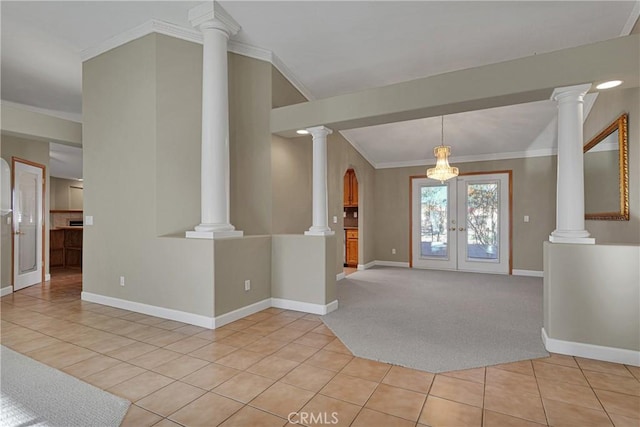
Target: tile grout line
(544, 409)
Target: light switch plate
(526, 218)
(335, 219)
(88, 220)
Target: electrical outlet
(526, 218)
(335, 219)
(88, 220)
(121, 280)
(393, 251)
(247, 285)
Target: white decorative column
(216, 26)
(320, 225)
(570, 182)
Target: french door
(461, 224)
(27, 224)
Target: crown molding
(467, 159)
(168, 29)
(360, 151)
(250, 51)
(289, 75)
(192, 35)
(631, 21)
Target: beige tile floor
(260, 369)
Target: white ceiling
(65, 161)
(332, 48)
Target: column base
(209, 231)
(572, 239)
(319, 232)
(213, 234)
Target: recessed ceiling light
(302, 132)
(609, 84)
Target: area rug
(439, 321)
(33, 394)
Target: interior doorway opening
(351, 221)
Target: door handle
(19, 233)
(461, 229)
(452, 229)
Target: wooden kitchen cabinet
(73, 248)
(352, 247)
(350, 188)
(56, 248)
(65, 247)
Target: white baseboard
(204, 321)
(151, 310)
(366, 266)
(6, 290)
(529, 273)
(591, 351)
(391, 264)
(340, 276)
(234, 315)
(305, 307)
(47, 277)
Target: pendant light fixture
(442, 171)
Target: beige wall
(235, 261)
(292, 181)
(24, 123)
(123, 107)
(302, 268)
(250, 144)
(65, 194)
(342, 156)
(291, 164)
(36, 151)
(591, 294)
(283, 92)
(534, 181)
(608, 107)
(178, 103)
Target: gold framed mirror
(606, 174)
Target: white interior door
(461, 224)
(27, 225)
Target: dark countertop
(350, 228)
(68, 227)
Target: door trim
(15, 160)
(509, 172)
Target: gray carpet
(439, 321)
(33, 394)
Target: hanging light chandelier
(442, 171)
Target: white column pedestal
(320, 222)
(570, 226)
(216, 26)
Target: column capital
(568, 92)
(319, 131)
(211, 15)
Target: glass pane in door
(483, 220)
(433, 221)
(27, 221)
